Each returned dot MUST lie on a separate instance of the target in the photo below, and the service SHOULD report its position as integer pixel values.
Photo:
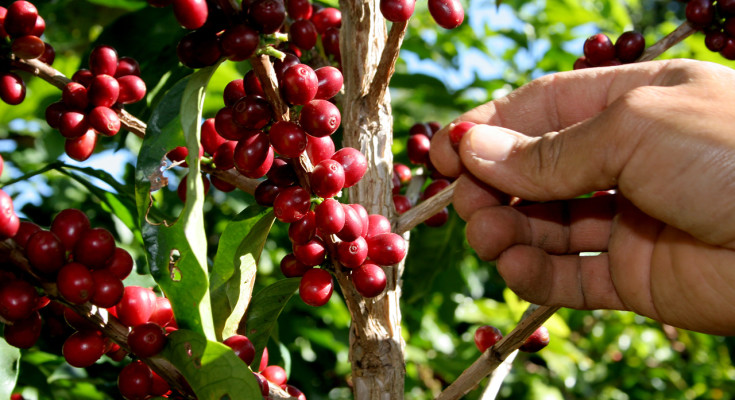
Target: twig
(56, 78)
(680, 33)
(495, 355)
(425, 209)
(232, 177)
(387, 64)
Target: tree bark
(376, 345)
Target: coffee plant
(216, 199)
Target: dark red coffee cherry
(319, 149)
(330, 216)
(292, 267)
(45, 252)
(295, 392)
(251, 152)
(266, 193)
(108, 288)
(448, 14)
(728, 51)
(263, 383)
(291, 204)
(24, 333)
(320, 118)
(49, 54)
(132, 89)
(303, 230)
(252, 84)
(12, 88)
(316, 287)
(25, 230)
(28, 47)
(135, 381)
(438, 219)
(104, 120)
(311, 253)
(330, 82)
(353, 162)
(330, 41)
(94, 248)
(268, 15)
(82, 147)
(386, 248)
(127, 66)
(537, 341)
(146, 340)
(69, 225)
(434, 187)
(53, 113)
(75, 96)
(83, 76)
(369, 279)
(328, 17)
(252, 112)
(377, 224)
(75, 283)
(287, 138)
(17, 300)
(191, 14)
(20, 19)
(303, 34)
(630, 46)
(327, 178)
(83, 348)
(715, 40)
(457, 131)
(234, 91)
(224, 157)
(239, 42)
(417, 148)
(397, 10)
(486, 336)
(103, 60)
(282, 173)
(726, 7)
(181, 189)
(353, 225)
(421, 128)
(225, 125)
(598, 49)
(103, 91)
(136, 306)
(299, 84)
(298, 9)
(401, 203)
(120, 264)
(352, 254)
(700, 13)
(242, 346)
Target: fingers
(470, 195)
(557, 227)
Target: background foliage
(448, 292)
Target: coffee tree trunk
(376, 345)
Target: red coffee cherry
(292, 267)
(49, 54)
(377, 224)
(81, 148)
(311, 253)
(287, 138)
(132, 89)
(83, 76)
(103, 60)
(457, 131)
(17, 300)
(120, 264)
(211, 139)
(353, 162)
(75, 97)
(330, 82)
(135, 381)
(282, 173)
(319, 149)
(45, 252)
(403, 172)
(24, 333)
(83, 348)
(386, 248)
(127, 66)
(136, 306)
(330, 40)
(268, 15)
(715, 40)
(242, 346)
(103, 91)
(299, 84)
(69, 225)
(417, 148)
(537, 341)
(598, 49)
(401, 203)
(75, 283)
(73, 124)
(369, 279)
(328, 17)
(303, 230)
(700, 13)
(9, 222)
(327, 178)
(160, 386)
(486, 336)
(181, 189)
(353, 227)
(275, 374)
(291, 204)
(397, 10)
(234, 91)
(104, 120)
(108, 288)
(438, 219)
(303, 34)
(352, 254)
(330, 216)
(39, 27)
(363, 216)
(94, 248)
(25, 230)
(200, 48)
(224, 157)
(146, 340)
(252, 112)
(629, 46)
(320, 118)
(163, 315)
(448, 14)
(266, 193)
(316, 287)
(298, 9)
(239, 43)
(12, 88)
(191, 14)
(76, 321)
(28, 47)
(225, 125)
(252, 84)
(435, 187)
(20, 18)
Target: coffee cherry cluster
(599, 50)
(448, 14)
(487, 336)
(90, 104)
(21, 27)
(717, 20)
(417, 149)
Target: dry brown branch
(422, 211)
(387, 64)
(680, 33)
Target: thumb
(556, 165)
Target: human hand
(661, 134)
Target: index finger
(551, 103)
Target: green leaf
(212, 369)
(177, 252)
(9, 361)
(233, 274)
(264, 310)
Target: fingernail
(490, 143)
